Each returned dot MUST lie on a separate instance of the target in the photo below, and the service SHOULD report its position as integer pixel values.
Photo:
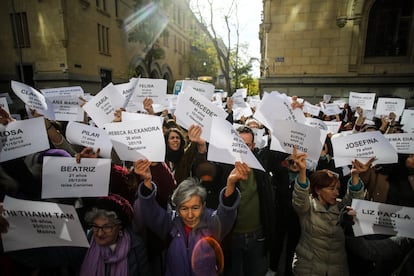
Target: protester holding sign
(391, 183)
(321, 248)
(376, 254)
(179, 156)
(114, 249)
(191, 222)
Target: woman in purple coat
(191, 227)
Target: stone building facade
(57, 43)
(315, 47)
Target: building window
(389, 29)
(101, 4)
(106, 77)
(20, 30)
(165, 37)
(103, 39)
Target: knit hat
(52, 152)
(119, 205)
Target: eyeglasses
(185, 210)
(107, 228)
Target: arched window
(390, 29)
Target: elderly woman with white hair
(194, 230)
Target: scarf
(98, 256)
(174, 155)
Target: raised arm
(240, 172)
(194, 134)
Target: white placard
(333, 126)
(89, 136)
(387, 105)
(238, 99)
(407, 120)
(36, 224)
(67, 109)
(331, 109)
(172, 102)
(141, 139)
(275, 106)
(381, 218)
(71, 91)
(363, 100)
(326, 98)
(127, 89)
(4, 104)
(363, 146)
(253, 101)
(102, 107)
(315, 122)
(341, 103)
(227, 146)
(33, 99)
(307, 139)
(260, 139)
(193, 108)
(204, 88)
(239, 112)
(242, 91)
(62, 177)
(21, 138)
(311, 109)
(402, 142)
(156, 89)
(66, 102)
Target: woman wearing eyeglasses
(194, 230)
(321, 248)
(114, 248)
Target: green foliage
(252, 85)
(202, 58)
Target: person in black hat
(114, 248)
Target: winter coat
(167, 224)
(377, 185)
(321, 248)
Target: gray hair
(95, 213)
(186, 189)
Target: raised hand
(148, 105)
(118, 115)
(359, 167)
(142, 168)
(194, 134)
(295, 103)
(240, 172)
(87, 153)
(5, 117)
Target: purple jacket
(168, 225)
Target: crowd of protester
(191, 216)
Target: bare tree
(223, 51)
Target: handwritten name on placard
(140, 139)
(64, 177)
(39, 224)
(381, 218)
(20, 138)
